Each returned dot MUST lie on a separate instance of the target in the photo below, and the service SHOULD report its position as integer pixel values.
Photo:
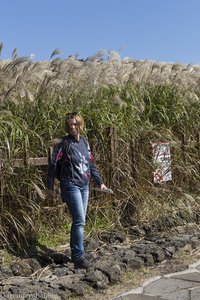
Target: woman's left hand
(103, 187)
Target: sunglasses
(72, 114)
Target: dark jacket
(78, 165)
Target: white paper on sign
(162, 162)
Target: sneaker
(82, 263)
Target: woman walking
(77, 166)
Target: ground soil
(131, 280)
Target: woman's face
(74, 129)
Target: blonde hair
(77, 117)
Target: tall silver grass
(127, 104)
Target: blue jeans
(76, 199)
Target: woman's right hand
(48, 194)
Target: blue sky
(160, 30)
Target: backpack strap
(85, 141)
(65, 151)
